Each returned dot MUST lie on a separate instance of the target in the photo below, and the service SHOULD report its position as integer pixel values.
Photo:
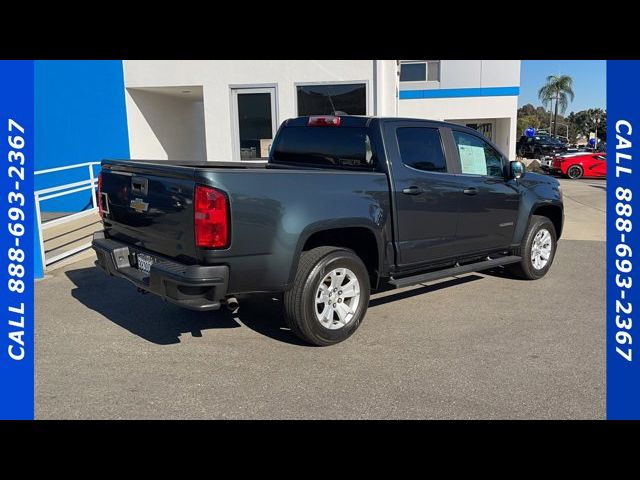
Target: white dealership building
(230, 109)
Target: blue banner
(623, 247)
(16, 240)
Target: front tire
(329, 297)
(538, 250)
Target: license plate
(546, 162)
(144, 262)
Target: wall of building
(168, 125)
(500, 73)
(469, 91)
(466, 107)
(463, 74)
(506, 135)
(79, 117)
(215, 78)
(387, 88)
(502, 108)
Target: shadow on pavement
(163, 323)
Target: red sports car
(588, 165)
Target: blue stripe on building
(80, 116)
(460, 92)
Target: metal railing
(59, 191)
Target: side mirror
(517, 169)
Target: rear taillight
(211, 217)
(324, 121)
(100, 208)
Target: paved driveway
(478, 346)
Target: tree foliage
(579, 123)
(559, 88)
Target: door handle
(470, 191)
(412, 190)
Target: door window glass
(477, 157)
(421, 148)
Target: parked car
(588, 165)
(572, 147)
(539, 146)
(546, 164)
(344, 206)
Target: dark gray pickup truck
(345, 205)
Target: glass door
(254, 121)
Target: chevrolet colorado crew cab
(345, 205)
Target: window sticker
(473, 159)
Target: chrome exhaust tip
(232, 304)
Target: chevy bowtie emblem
(139, 205)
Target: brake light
(324, 121)
(100, 207)
(211, 218)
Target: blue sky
(589, 81)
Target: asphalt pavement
(473, 347)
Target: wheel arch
(362, 239)
(553, 212)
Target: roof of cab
(366, 121)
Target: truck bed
(272, 212)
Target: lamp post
(596, 121)
(567, 127)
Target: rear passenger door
(490, 199)
(425, 191)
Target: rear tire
(313, 310)
(574, 172)
(539, 234)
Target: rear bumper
(196, 287)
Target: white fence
(59, 191)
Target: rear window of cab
(324, 146)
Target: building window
(329, 99)
(420, 70)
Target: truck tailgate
(150, 206)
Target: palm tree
(560, 89)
